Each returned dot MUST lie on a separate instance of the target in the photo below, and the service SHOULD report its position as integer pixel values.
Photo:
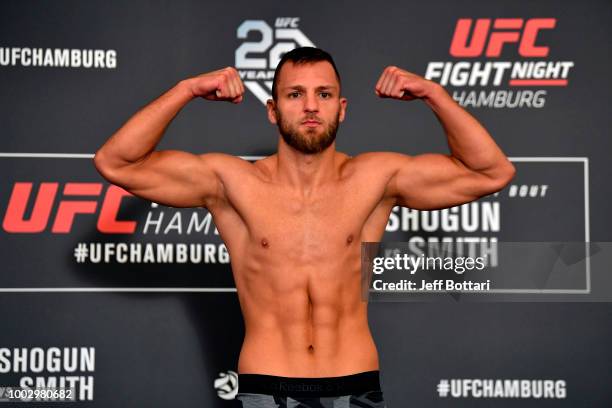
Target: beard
(307, 141)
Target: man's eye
(325, 95)
(294, 94)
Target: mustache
(312, 117)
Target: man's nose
(311, 104)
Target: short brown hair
(302, 55)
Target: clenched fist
(221, 85)
(399, 84)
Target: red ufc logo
(513, 28)
(67, 209)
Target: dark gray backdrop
(166, 348)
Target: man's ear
(270, 107)
(343, 103)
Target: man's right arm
(175, 178)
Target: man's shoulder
(230, 159)
(376, 160)
(226, 158)
(230, 165)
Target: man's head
(306, 104)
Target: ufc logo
(284, 22)
(67, 209)
(515, 31)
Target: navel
(264, 243)
(311, 349)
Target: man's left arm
(476, 166)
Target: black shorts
(268, 391)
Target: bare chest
(306, 227)
(318, 223)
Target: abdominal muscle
(304, 321)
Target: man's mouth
(311, 123)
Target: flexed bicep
(434, 181)
(173, 178)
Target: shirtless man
(293, 222)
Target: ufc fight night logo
(256, 60)
(488, 39)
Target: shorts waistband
(354, 384)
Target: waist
(354, 384)
(308, 356)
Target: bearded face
(310, 134)
(308, 106)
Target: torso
(296, 265)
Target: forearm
(139, 136)
(468, 140)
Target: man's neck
(306, 172)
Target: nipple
(264, 243)
(349, 239)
